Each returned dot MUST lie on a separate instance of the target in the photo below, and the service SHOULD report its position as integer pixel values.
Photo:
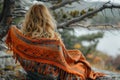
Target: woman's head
(39, 22)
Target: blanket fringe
(43, 68)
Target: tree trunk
(6, 17)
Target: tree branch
(7, 56)
(80, 18)
(63, 3)
(97, 26)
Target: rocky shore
(11, 71)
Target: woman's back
(42, 58)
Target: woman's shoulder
(57, 35)
(13, 27)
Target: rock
(109, 75)
(2, 79)
(13, 75)
(2, 46)
(6, 60)
(11, 71)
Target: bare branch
(80, 18)
(97, 26)
(19, 12)
(62, 4)
(7, 56)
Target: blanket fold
(49, 51)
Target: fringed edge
(63, 75)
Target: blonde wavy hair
(39, 22)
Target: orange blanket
(50, 51)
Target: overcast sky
(110, 43)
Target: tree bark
(6, 17)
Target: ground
(11, 71)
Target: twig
(97, 26)
(80, 18)
(62, 4)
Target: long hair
(39, 22)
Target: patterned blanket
(49, 57)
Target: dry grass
(98, 60)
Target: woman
(41, 52)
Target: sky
(110, 43)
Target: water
(109, 44)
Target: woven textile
(51, 52)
